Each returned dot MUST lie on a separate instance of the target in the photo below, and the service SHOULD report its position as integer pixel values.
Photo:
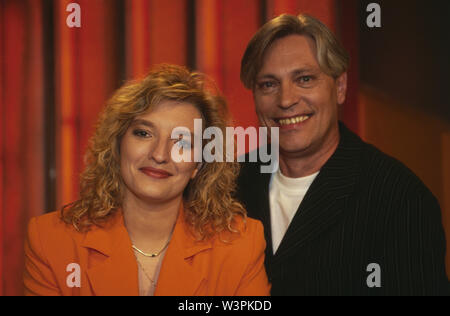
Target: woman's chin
(159, 196)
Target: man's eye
(305, 79)
(141, 133)
(267, 85)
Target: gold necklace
(146, 274)
(155, 254)
(151, 255)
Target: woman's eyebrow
(152, 125)
(183, 132)
(142, 122)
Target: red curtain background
(54, 80)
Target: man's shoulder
(380, 167)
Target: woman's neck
(149, 224)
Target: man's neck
(305, 164)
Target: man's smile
(293, 121)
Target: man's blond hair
(331, 56)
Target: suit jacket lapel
(113, 269)
(179, 275)
(264, 208)
(324, 203)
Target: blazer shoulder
(52, 235)
(253, 226)
(380, 166)
(49, 246)
(52, 226)
(241, 260)
(248, 227)
(249, 235)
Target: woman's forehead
(169, 114)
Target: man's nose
(160, 152)
(288, 95)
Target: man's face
(294, 94)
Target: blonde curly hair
(208, 199)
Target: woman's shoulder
(54, 241)
(249, 227)
(51, 232)
(247, 232)
(50, 223)
(241, 259)
(50, 218)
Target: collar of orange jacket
(105, 239)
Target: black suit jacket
(363, 207)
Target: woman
(145, 224)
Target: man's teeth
(294, 120)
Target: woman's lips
(155, 173)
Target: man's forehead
(293, 53)
(292, 42)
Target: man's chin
(292, 148)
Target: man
(340, 217)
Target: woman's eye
(141, 133)
(183, 144)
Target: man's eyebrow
(295, 72)
(302, 71)
(267, 76)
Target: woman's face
(148, 171)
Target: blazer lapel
(264, 207)
(180, 275)
(325, 201)
(113, 269)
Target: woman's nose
(160, 152)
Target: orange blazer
(107, 264)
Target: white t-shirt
(285, 196)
